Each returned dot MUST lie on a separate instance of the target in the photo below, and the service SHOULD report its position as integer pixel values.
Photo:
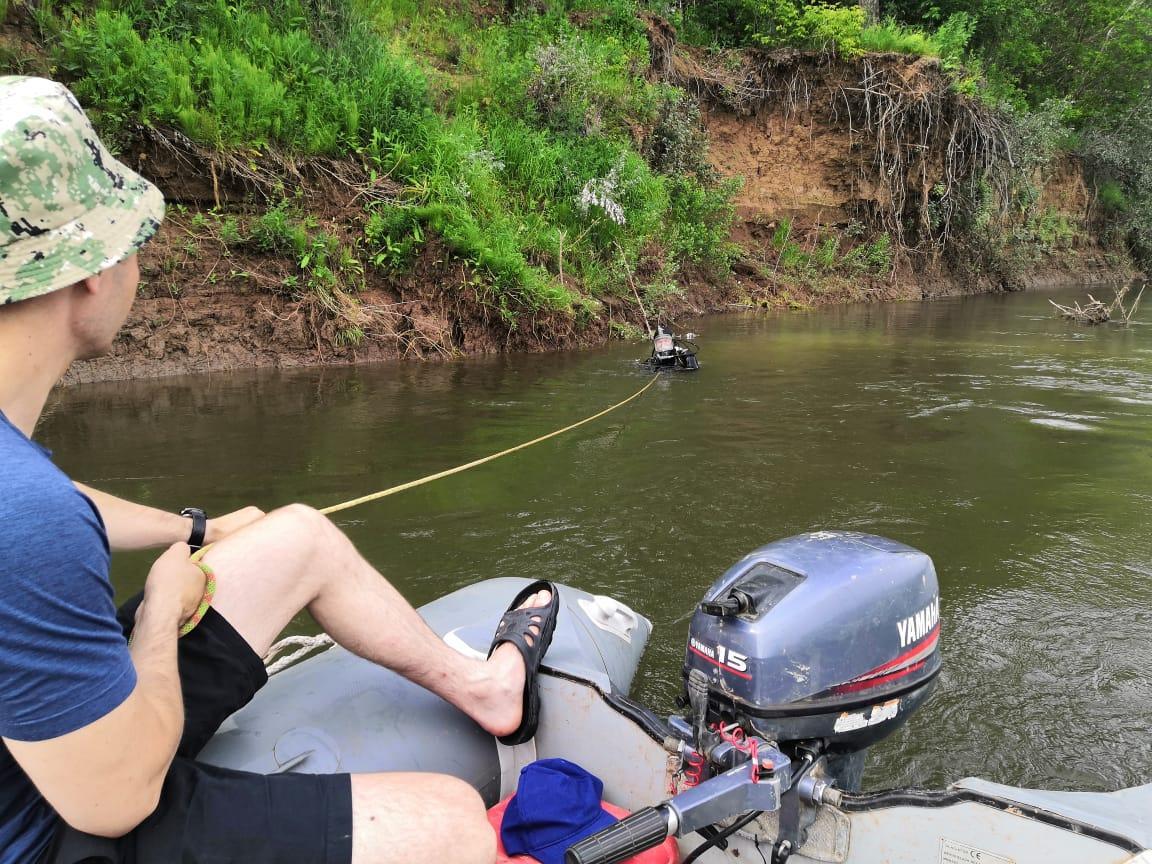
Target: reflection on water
(1011, 446)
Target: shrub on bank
(823, 26)
(504, 137)
(236, 75)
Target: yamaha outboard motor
(799, 658)
(826, 639)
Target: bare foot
(498, 703)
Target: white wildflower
(600, 192)
(487, 159)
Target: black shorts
(210, 815)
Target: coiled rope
(306, 644)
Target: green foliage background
(534, 145)
(513, 142)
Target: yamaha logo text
(721, 655)
(916, 627)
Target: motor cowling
(829, 636)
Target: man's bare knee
(300, 525)
(300, 516)
(443, 814)
(269, 570)
(469, 819)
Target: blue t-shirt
(64, 662)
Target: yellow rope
(336, 508)
(384, 493)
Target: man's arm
(106, 777)
(136, 526)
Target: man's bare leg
(295, 558)
(401, 818)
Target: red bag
(666, 853)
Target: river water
(1011, 446)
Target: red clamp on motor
(694, 772)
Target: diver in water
(671, 352)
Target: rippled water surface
(1014, 448)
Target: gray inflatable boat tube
(336, 712)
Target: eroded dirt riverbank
(812, 196)
(206, 308)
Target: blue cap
(557, 803)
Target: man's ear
(89, 284)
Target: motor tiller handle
(630, 836)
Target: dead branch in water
(1094, 312)
(1135, 304)
(1097, 312)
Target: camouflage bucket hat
(67, 208)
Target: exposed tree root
(229, 177)
(925, 150)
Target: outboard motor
(799, 658)
(827, 639)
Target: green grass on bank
(822, 25)
(532, 147)
(239, 74)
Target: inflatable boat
(799, 658)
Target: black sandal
(516, 627)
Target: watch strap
(199, 526)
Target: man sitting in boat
(99, 732)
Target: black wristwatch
(199, 526)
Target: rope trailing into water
(403, 487)
(307, 644)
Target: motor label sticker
(955, 852)
(721, 656)
(850, 721)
